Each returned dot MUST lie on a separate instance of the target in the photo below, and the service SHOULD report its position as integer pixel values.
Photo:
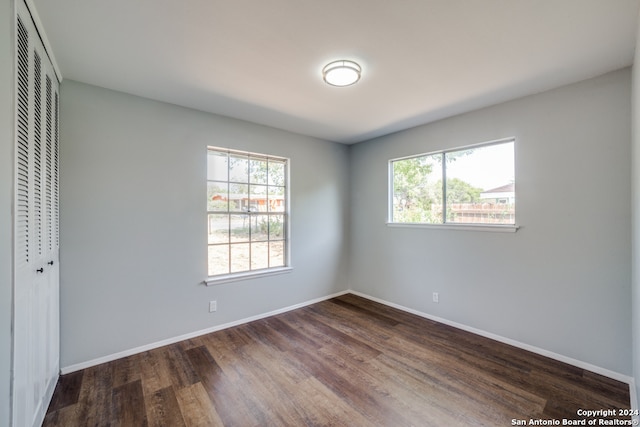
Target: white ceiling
(261, 60)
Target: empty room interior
(200, 226)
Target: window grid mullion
(467, 208)
(229, 210)
(249, 217)
(268, 217)
(247, 211)
(444, 188)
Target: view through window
(247, 211)
(472, 185)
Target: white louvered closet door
(36, 285)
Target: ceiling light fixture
(341, 73)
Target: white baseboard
(100, 360)
(578, 363)
(633, 396)
(559, 357)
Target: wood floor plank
(564, 398)
(347, 361)
(424, 398)
(342, 330)
(343, 318)
(126, 371)
(152, 376)
(457, 379)
(62, 417)
(259, 368)
(94, 401)
(197, 408)
(606, 387)
(173, 363)
(358, 310)
(227, 398)
(393, 313)
(326, 409)
(67, 391)
(352, 386)
(283, 369)
(163, 409)
(128, 407)
(274, 397)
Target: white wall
(6, 203)
(562, 282)
(133, 221)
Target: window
(247, 209)
(471, 185)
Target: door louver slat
(48, 189)
(37, 145)
(22, 148)
(56, 173)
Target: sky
(487, 167)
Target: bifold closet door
(36, 283)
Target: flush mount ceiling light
(341, 73)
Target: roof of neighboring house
(509, 188)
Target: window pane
(258, 171)
(240, 228)
(276, 173)
(218, 228)
(417, 190)
(276, 227)
(240, 257)
(259, 228)
(258, 198)
(246, 205)
(218, 259)
(276, 254)
(480, 185)
(259, 255)
(238, 197)
(238, 168)
(217, 196)
(276, 199)
(217, 166)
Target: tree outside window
(473, 185)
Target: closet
(36, 225)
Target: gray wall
(562, 282)
(6, 204)
(132, 253)
(133, 221)
(635, 200)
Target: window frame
(448, 225)
(286, 214)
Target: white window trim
(251, 274)
(503, 228)
(246, 275)
(496, 228)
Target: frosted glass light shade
(341, 73)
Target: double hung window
(247, 209)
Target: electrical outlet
(436, 297)
(213, 306)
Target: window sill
(235, 277)
(468, 227)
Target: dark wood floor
(342, 362)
